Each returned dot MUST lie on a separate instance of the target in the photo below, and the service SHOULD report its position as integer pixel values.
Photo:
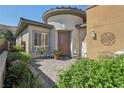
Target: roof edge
(81, 25)
(63, 10)
(30, 22)
(91, 6)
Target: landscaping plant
(56, 54)
(42, 51)
(18, 73)
(100, 73)
(16, 48)
(12, 56)
(8, 36)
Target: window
(44, 39)
(40, 40)
(37, 39)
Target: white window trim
(37, 47)
(44, 42)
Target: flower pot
(56, 57)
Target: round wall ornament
(108, 39)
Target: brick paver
(52, 67)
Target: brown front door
(64, 42)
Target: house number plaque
(108, 39)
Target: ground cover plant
(100, 73)
(18, 74)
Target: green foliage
(100, 73)
(42, 51)
(24, 56)
(7, 34)
(19, 75)
(16, 48)
(33, 83)
(16, 53)
(56, 52)
(12, 56)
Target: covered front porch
(70, 43)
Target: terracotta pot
(56, 57)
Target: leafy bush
(19, 75)
(101, 73)
(16, 48)
(12, 56)
(42, 51)
(24, 56)
(56, 54)
(7, 34)
(33, 83)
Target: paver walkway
(51, 67)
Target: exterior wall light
(94, 35)
(75, 51)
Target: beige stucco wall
(103, 19)
(24, 35)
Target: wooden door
(64, 42)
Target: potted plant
(42, 51)
(56, 54)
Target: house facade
(98, 31)
(106, 22)
(63, 29)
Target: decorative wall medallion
(108, 39)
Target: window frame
(43, 37)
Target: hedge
(100, 73)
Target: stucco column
(30, 44)
(76, 45)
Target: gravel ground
(52, 67)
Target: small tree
(2, 40)
(8, 35)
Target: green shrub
(101, 73)
(24, 56)
(42, 51)
(33, 83)
(19, 75)
(16, 48)
(12, 56)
